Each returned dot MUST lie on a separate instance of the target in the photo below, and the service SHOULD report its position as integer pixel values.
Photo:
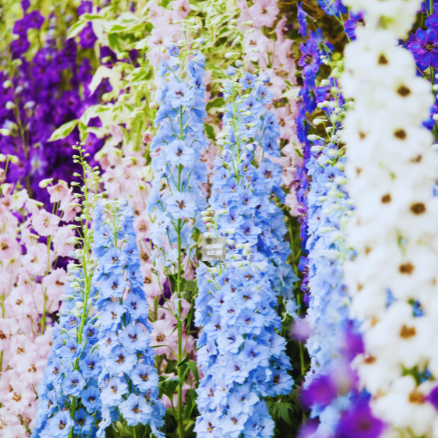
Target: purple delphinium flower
(351, 24)
(432, 20)
(320, 392)
(425, 48)
(359, 422)
(332, 7)
(310, 61)
(87, 37)
(433, 397)
(302, 20)
(85, 7)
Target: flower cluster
(128, 379)
(275, 59)
(330, 387)
(69, 398)
(31, 242)
(391, 170)
(176, 198)
(36, 98)
(241, 355)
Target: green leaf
(194, 369)
(183, 362)
(210, 132)
(168, 387)
(216, 103)
(64, 130)
(76, 29)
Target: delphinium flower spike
(128, 380)
(176, 198)
(241, 355)
(391, 169)
(69, 403)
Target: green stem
(180, 330)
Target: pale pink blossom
(244, 16)
(279, 29)
(116, 132)
(284, 57)
(69, 210)
(55, 283)
(18, 199)
(60, 241)
(292, 203)
(286, 122)
(159, 38)
(44, 223)
(111, 181)
(19, 303)
(58, 192)
(264, 12)
(19, 397)
(141, 225)
(164, 334)
(155, 12)
(33, 206)
(276, 84)
(8, 246)
(36, 259)
(181, 8)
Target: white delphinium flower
(391, 169)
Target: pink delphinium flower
(36, 259)
(58, 192)
(27, 295)
(264, 12)
(276, 84)
(44, 223)
(164, 334)
(55, 282)
(8, 246)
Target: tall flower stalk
(128, 380)
(391, 170)
(176, 198)
(241, 355)
(69, 403)
(31, 282)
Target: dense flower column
(69, 399)
(330, 386)
(241, 355)
(391, 169)
(128, 380)
(176, 198)
(31, 283)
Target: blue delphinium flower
(302, 20)
(332, 7)
(241, 354)
(69, 395)
(127, 360)
(177, 198)
(68, 380)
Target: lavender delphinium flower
(128, 380)
(241, 354)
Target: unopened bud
(44, 183)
